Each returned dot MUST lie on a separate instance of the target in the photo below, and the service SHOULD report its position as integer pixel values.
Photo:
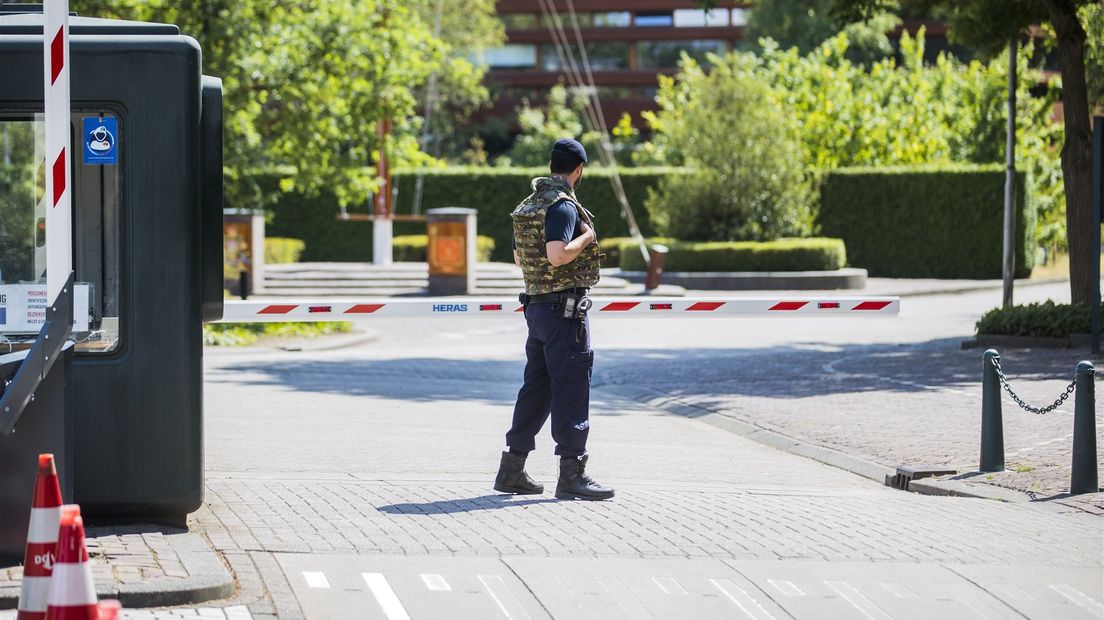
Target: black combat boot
(512, 477)
(575, 484)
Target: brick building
(628, 43)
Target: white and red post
(59, 151)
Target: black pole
(243, 284)
(1097, 215)
(1008, 268)
(1083, 475)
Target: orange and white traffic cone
(72, 592)
(111, 610)
(38, 563)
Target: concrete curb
(208, 580)
(847, 278)
(866, 469)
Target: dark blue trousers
(557, 382)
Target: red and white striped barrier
(59, 214)
(72, 592)
(42, 535)
(251, 311)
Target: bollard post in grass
(1083, 477)
(992, 425)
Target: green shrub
(816, 254)
(748, 181)
(1047, 319)
(243, 334)
(280, 250)
(494, 192)
(613, 247)
(927, 222)
(412, 248)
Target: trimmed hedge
(412, 248)
(279, 250)
(814, 254)
(613, 247)
(493, 192)
(927, 222)
(1047, 319)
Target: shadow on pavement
(471, 504)
(798, 370)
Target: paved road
(355, 483)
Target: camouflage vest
(540, 275)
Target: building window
(602, 56)
(513, 56)
(620, 19)
(23, 252)
(666, 54)
(697, 18)
(740, 17)
(519, 21)
(650, 19)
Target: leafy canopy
(306, 84)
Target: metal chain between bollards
(1023, 405)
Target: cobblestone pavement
(327, 466)
(914, 401)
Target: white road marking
(857, 600)
(672, 587)
(501, 594)
(751, 608)
(436, 583)
(786, 587)
(896, 589)
(316, 579)
(385, 596)
(238, 612)
(1080, 599)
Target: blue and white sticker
(101, 140)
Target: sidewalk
(143, 566)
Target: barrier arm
(278, 310)
(32, 366)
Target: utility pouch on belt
(575, 306)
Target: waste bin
(451, 250)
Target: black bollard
(243, 284)
(992, 424)
(1083, 477)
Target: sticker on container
(101, 140)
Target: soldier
(557, 249)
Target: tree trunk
(1077, 151)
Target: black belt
(555, 298)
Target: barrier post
(1083, 476)
(657, 256)
(992, 425)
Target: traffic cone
(38, 563)
(72, 592)
(110, 610)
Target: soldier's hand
(588, 231)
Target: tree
(307, 84)
(990, 25)
(561, 117)
(748, 173)
(806, 24)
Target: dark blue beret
(569, 148)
